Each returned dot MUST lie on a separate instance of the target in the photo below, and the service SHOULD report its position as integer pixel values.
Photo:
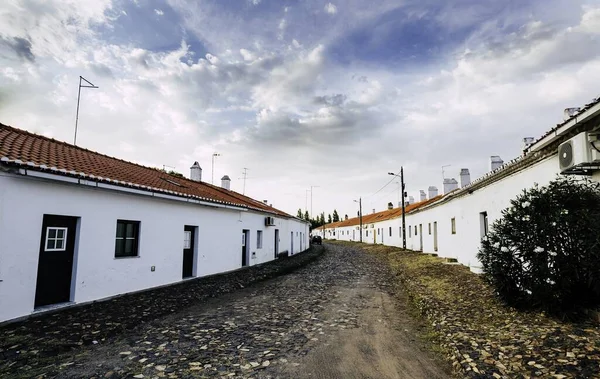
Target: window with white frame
(429, 228)
(390, 231)
(187, 239)
(453, 225)
(259, 235)
(56, 239)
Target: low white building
(78, 226)
(452, 225)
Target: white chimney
(495, 162)
(390, 205)
(422, 195)
(196, 172)
(570, 112)
(465, 177)
(450, 184)
(411, 200)
(433, 192)
(527, 141)
(225, 182)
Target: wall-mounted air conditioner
(580, 154)
(269, 221)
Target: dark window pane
(52, 233)
(129, 243)
(60, 244)
(129, 231)
(119, 248)
(50, 245)
(120, 229)
(60, 233)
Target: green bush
(544, 252)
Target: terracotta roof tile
(388, 214)
(17, 144)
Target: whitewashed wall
(97, 274)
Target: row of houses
(78, 226)
(453, 224)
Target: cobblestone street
(333, 318)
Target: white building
(78, 226)
(452, 225)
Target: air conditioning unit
(579, 154)
(269, 221)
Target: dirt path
(335, 318)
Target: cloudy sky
(302, 93)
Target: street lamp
(403, 209)
(212, 180)
(359, 201)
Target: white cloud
(330, 8)
(159, 12)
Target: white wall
(24, 201)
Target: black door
(188, 251)
(55, 266)
(245, 243)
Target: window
(400, 231)
(259, 239)
(453, 224)
(415, 230)
(56, 239)
(390, 231)
(127, 238)
(483, 222)
(378, 231)
(367, 233)
(409, 231)
(187, 239)
(429, 228)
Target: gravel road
(337, 317)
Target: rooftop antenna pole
(244, 190)
(212, 180)
(443, 176)
(78, 97)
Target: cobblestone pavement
(332, 318)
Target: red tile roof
(22, 148)
(388, 214)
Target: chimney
(196, 172)
(411, 200)
(527, 141)
(570, 112)
(495, 162)
(266, 201)
(225, 182)
(433, 191)
(346, 217)
(450, 184)
(390, 205)
(465, 177)
(422, 195)
(373, 210)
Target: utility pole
(360, 216)
(403, 207)
(245, 174)
(78, 96)
(306, 201)
(403, 216)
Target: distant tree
(299, 214)
(306, 216)
(322, 222)
(329, 220)
(175, 173)
(336, 216)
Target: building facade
(77, 226)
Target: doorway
(276, 245)
(55, 265)
(435, 241)
(188, 251)
(245, 246)
(421, 237)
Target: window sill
(119, 258)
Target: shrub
(544, 252)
